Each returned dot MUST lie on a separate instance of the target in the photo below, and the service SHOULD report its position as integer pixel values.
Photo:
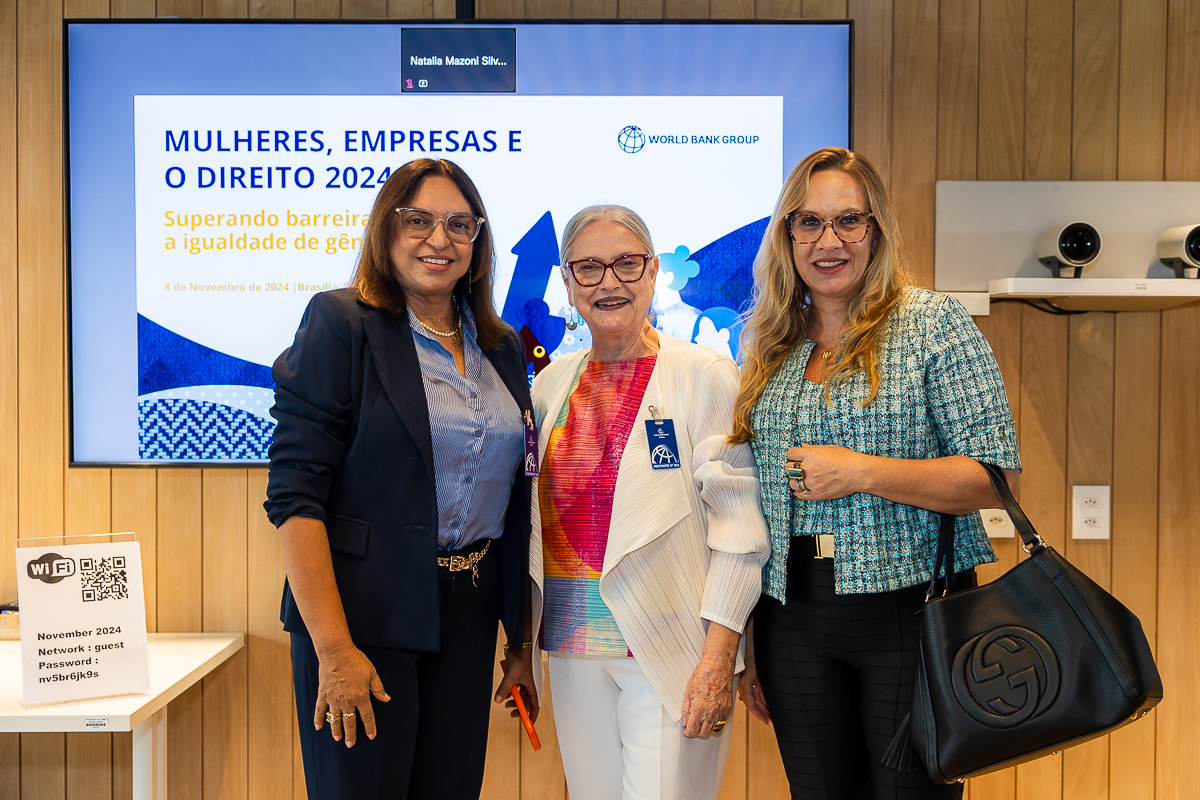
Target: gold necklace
(454, 331)
(824, 354)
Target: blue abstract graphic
(537, 255)
(721, 319)
(195, 430)
(725, 278)
(167, 360)
(680, 265)
(547, 329)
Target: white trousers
(618, 741)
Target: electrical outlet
(997, 524)
(1090, 512)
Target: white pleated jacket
(685, 545)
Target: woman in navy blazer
(389, 596)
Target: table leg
(150, 758)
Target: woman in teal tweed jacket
(868, 404)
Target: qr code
(104, 579)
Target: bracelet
(518, 646)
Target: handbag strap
(1031, 541)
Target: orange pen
(525, 720)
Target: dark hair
(375, 275)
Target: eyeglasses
(419, 224)
(808, 228)
(590, 272)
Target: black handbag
(1040, 659)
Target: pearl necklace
(455, 331)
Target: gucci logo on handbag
(1006, 676)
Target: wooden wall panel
(224, 568)
(132, 9)
(736, 773)
(1048, 70)
(1137, 354)
(43, 766)
(685, 9)
(958, 90)
(1178, 736)
(542, 772)
(192, 9)
(271, 9)
(915, 135)
(502, 775)
(1043, 435)
(1002, 329)
(41, 439)
(10, 766)
(765, 777)
(318, 9)
(180, 608)
(89, 766)
(1001, 155)
(269, 665)
(122, 766)
(872, 81)
(1183, 91)
(1094, 96)
(1089, 463)
(944, 89)
(9, 417)
(134, 507)
(1141, 104)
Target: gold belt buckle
(824, 542)
(471, 562)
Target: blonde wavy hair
(778, 319)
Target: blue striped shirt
(478, 441)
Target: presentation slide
(210, 200)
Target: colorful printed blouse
(575, 491)
(940, 394)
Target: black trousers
(837, 674)
(432, 734)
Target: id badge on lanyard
(660, 434)
(531, 445)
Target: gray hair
(618, 214)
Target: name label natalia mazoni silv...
(458, 60)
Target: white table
(177, 662)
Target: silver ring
(803, 488)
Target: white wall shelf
(1100, 294)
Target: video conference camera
(1179, 249)
(1074, 246)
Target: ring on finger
(795, 471)
(803, 488)
(718, 725)
(347, 715)
(331, 717)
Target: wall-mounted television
(220, 173)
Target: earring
(573, 320)
(470, 277)
(650, 317)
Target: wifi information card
(83, 622)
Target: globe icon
(631, 139)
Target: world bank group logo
(661, 456)
(631, 139)
(1006, 676)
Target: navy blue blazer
(353, 447)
